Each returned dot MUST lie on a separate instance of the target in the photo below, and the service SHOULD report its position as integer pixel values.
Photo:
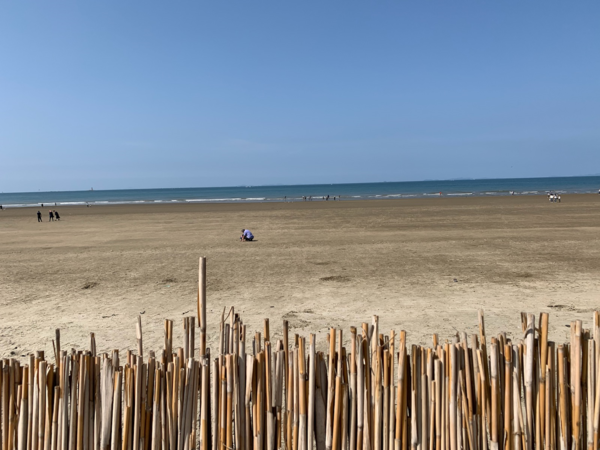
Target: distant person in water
(39, 214)
(56, 215)
(51, 216)
(246, 236)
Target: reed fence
(473, 393)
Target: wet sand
(422, 265)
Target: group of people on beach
(52, 216)
(553, 197)
(326, 198)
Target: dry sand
(319, 265)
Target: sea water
(350, 191)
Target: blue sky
(117, 94)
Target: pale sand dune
(316, 264)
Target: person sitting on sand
(246, 236)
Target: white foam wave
(202, 200)
(22, 205)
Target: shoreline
(408, 201)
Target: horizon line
(300, 184)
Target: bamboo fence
(375, 394)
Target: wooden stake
(311, 391)
(202, 305)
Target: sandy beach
(422, 265)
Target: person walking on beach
(39, 214)
(56, 215)
(246, 236)
(51, 216)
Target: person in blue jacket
(246, 236)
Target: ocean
(350, 191)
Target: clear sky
(132, 94)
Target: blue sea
(317, 192)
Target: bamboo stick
(368, 438)
(392, 409)
(386, 399)
(508, 398)
(528, 374)
(302, 393)
(116, 411)
(12, 404)
(596, 427)
(563, 389)
(591, 384)
(248, 437)
(543, 350)
(24, 412)
(401, 438)
(336, 438)
(494, 432)
(279, 381)
(576, 371)
(378, 394)
(453, 398)
(223, 412)
(202, 305)
(360, 397)
(270, 416)
(438, 404)
(344, 426)
(139, 336)
(311, 391)
(42, 389)
(229, 410)
(330, 392)
(290, 405)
